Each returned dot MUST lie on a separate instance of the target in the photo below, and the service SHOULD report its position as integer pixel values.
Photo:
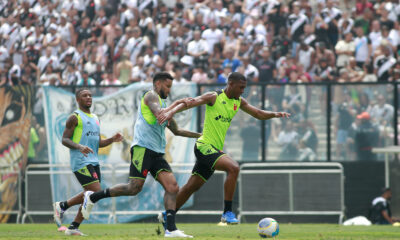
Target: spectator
(363, 48)
(324, 72)
(345, 49)
(48, 59)
(288, 140)
(296, 22)
(212, 36)
(323, 52)
(86, 80)
(198, 49)
(162, 32)
(71, 75)
(266, 67)
(50, 77)
(231, 61)
(382, 112)
(383, 64)
(306, 55)
(331, 16)
(250, 71)
(174, 47)
(366, 137)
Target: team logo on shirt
(95, 175)
(145, 172)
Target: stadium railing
(291, 189)
(8, 169)
(114, 170)
(54, 169)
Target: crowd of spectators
(104, 42)
(119, 42)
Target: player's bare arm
(173, 126)
(207, 98)
(105, 142)
(260, 114)
(152, 101)
(70, 125)
(177, 102)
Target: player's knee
(172, 188)
(234, 169)
(134, 188)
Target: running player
(82, 137)
(147, 154)
(221, 107)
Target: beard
(163, 95)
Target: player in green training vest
(82, 136)
(221, 107)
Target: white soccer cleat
(74, 232)
(176, 234)
(87, 205)
(58, 213)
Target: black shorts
(206, 157)
(144, 160)
(88, 175)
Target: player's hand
(85, 150)
(282, 115)
(164, 116)
(117, 137)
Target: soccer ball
(268, 228)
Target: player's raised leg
(133, 187)
(231, 167)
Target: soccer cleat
(176, 234)
(229, 218)
(162, 218)
(87, 205)
(74, 232)
(58, 213)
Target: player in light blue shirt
(147, 154)
(82, 136)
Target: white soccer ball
(268, 228)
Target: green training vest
(218, 119)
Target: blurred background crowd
(120, 42)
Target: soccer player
(221, 107)
(147, 154)
(82, 137)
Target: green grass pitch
(138, 231)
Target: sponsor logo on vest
(90, 133)
(223, 119)
(234, 107)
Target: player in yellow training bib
(221, 107)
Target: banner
(117, 113)
(15, 118)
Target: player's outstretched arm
(207, 98)
(261, 114)
(173, 126)
(105, 142)
(70, 125)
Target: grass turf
(140, 231)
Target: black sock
(100, 195)
(64, 205)
(74, 225)
(171, 220)
(228, 206)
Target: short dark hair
(161, 76)
(236, 77)
(78, 92)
